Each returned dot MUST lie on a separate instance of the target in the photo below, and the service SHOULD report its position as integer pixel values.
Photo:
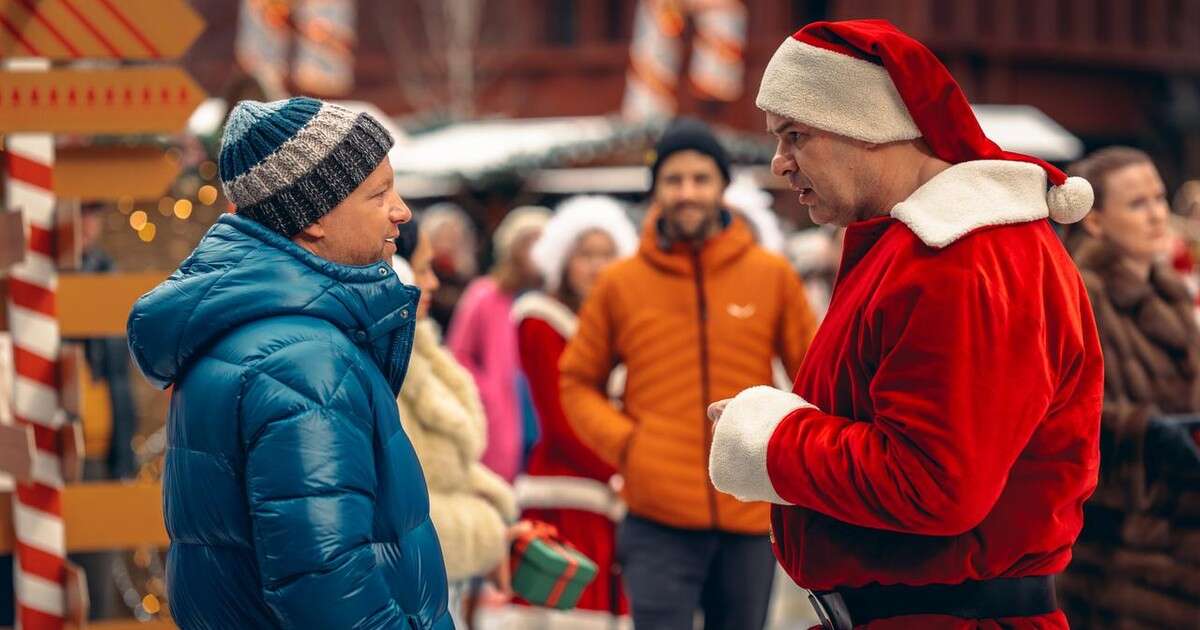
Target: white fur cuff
(738, 461)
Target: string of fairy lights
(195, 188)
(149, 600)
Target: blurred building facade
(1109, 70)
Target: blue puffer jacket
(291, 494)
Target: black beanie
(685, 134)
(406, 243)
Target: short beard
(702, 232)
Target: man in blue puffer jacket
(291, 494)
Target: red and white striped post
(39, 568)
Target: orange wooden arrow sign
(109, 173)
(114, 29)
(120, 101)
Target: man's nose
(400, 211)
(782, 165)
(687, 191)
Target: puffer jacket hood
(232, 279)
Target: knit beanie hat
(867, 79)
(287, 163)
(574, 217)
(685, 134)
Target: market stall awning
(438, 161)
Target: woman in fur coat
(1137, 562)
(471, 507)
(566, 485)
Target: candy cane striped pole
(717, 67)
(655, 57)
(37, 504)
(325, 46)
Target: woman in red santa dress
(566, 485)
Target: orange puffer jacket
(692, 327)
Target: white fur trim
(834, 92)
(971, 195)
(538, 305)
(1071, 201)
(754, 203)
(572, 219)
(568, 493)
(738, 461)
(538, 618)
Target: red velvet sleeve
(541, 347)
(966, 371)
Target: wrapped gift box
(546, 571)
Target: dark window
(805, 11)
(562, 22)
(619, 22)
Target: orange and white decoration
(717, 64)
(310, 41)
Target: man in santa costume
(929, 468)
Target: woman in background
(484, 340)
(471, 507)
(566, 485)
(1137, 561)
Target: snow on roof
(475, 147)
(1026, 129)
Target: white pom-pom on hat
(1070, 201)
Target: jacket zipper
(702, 305)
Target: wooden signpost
(110, 173)
(64, 30)
(34, 104)
(119, 101)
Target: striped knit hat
(287, 163)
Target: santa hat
(572, 219)
(866, 79)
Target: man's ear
(315, 231)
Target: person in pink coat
(483, 337)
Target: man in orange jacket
(696, 316)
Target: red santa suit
(944, 426)
(566, 484)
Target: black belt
(844, 609)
